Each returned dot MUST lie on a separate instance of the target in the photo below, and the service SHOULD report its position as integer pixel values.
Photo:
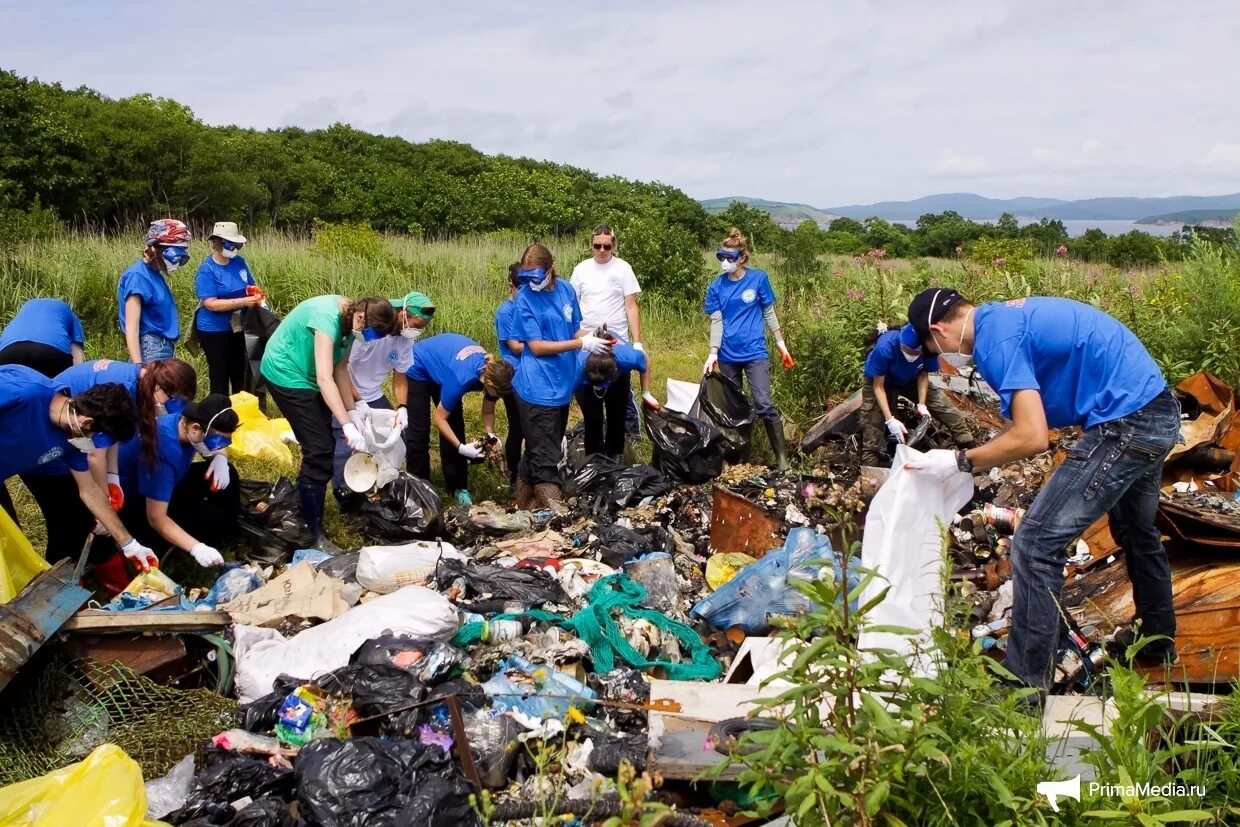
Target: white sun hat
(228, 231)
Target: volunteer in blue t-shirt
(740, 302)
(154, 477)
(45, 335)
(41, 422)
(549, 323)
(1057, 363)
(603, 395)
(445, 368)
(510, 347)
(146, 309)
(897, 365)
(225, 288)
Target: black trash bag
(686, 449)
(270, 523)
(265, 812)
(469, 695)
(631, 485)
(532, 586)
(722, 403)
(431, 661)
(233, 778)
(405, 509)
(576, 439)
(608, 753)
(379, 690)
(261, 715)
(592, 473)
(340, 566)
(371, 782)
(617, 544)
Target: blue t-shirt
(28, 438)
(742, 302)
(451, 361)
(1087, 366)
(628, 359)
(220, 281)
(48, 322)
(85, 376)
(887, 360)
(547, 316)
(159, 308)
(172, 460)
(506, 328)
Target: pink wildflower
(1061, 250)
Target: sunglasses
(728, 255)
(602, 246)
(231, 245)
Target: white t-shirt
(370, 363)
(601, 290)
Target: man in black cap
(1057, 363)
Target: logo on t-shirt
(392, 357)
(1015, 303)
(51, 454)
(244, 275)
(614, 282)
(749, 295)
(100, 365)
(465, 352)
(568, 312)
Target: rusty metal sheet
(1217, 403)
(1202, 528)
(738, 525)
(841, 420)
(1213, 394)
(30, 619)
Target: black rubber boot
(312, 498)
(775, 435)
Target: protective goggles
(176, 255)
(724, 254)
(533, 275)
(216, 441)
(175, 405)
(231, 245)
(369, 334)
(102, 441)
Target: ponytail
(173, 377)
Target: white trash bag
(903, 542)
(380, 463)
(384, 569)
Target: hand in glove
(939, 464)
(649, 401)
(402, 418)
(469, 451)
(217, 473)
(353, 437)
(786, 357)
(115, 494)
(896, 428)
(358, 419)
(923, 411)
(712, 362)
(140, 555)
(206, 556)
(593, 344)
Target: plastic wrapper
(258, 437)
(105, 790)
(721, 402)
(270, 522)
(163, 795)
(532, 586)
(536, 690)
(262, 714)
(609, 753)
(405, 509)
(430, 661)
(234, 582)
(216, 787)
(19, 562)
(380, 784)
(384, 569)
(238, 740)
(722, 567)
(493, 741)
(686, 449)
(657, 573)
(379, 690)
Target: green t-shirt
(288, 360)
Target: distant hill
(980, 208)
(1191, 217)
(783, 214)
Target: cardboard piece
(301, 592)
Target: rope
(596, 624)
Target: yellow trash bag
(18, 561)
(258, 437)
(720, 568)
(105, 790)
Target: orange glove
(116, 495)
(785, 356)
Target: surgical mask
(227, 253)
(957, 358)
(88, 444)
(411, 333)
(367, 334)
(910, 357)
(730, 267)
(536, 277)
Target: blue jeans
(154, 346)
(1115, 469)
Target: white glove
(363, 406)
(402, 418)
(217, 473)
(639, 347)
(205, 555)
(469, 450)
(141, 556)
(358, 418)
(353, 437)
(651, 402)
(939, 464)
(923, 411)
(896, 428)
(593, 344)
(712, 361)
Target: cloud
(1223, 158)
(955, 164)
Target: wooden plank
(30, 619)
(98, 621)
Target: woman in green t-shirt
(305, 365)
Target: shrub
(347, 239)
(666, 257)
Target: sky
(824, 103)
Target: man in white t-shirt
(607, 291)
(371, 363)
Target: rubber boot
(550, 495)
(463, 497)
(312, 498)
(775, 435)
(112, 575)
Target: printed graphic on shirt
(51, 454)
(465, 352)
(749, 295)
(568, 312)
(100, 365)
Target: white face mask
(411, 333)
(910, 357)
(84, 444)
(541, 286)
(204, 451)
(229, 253)
(170, 266)
(730, 266)
(957, 358)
